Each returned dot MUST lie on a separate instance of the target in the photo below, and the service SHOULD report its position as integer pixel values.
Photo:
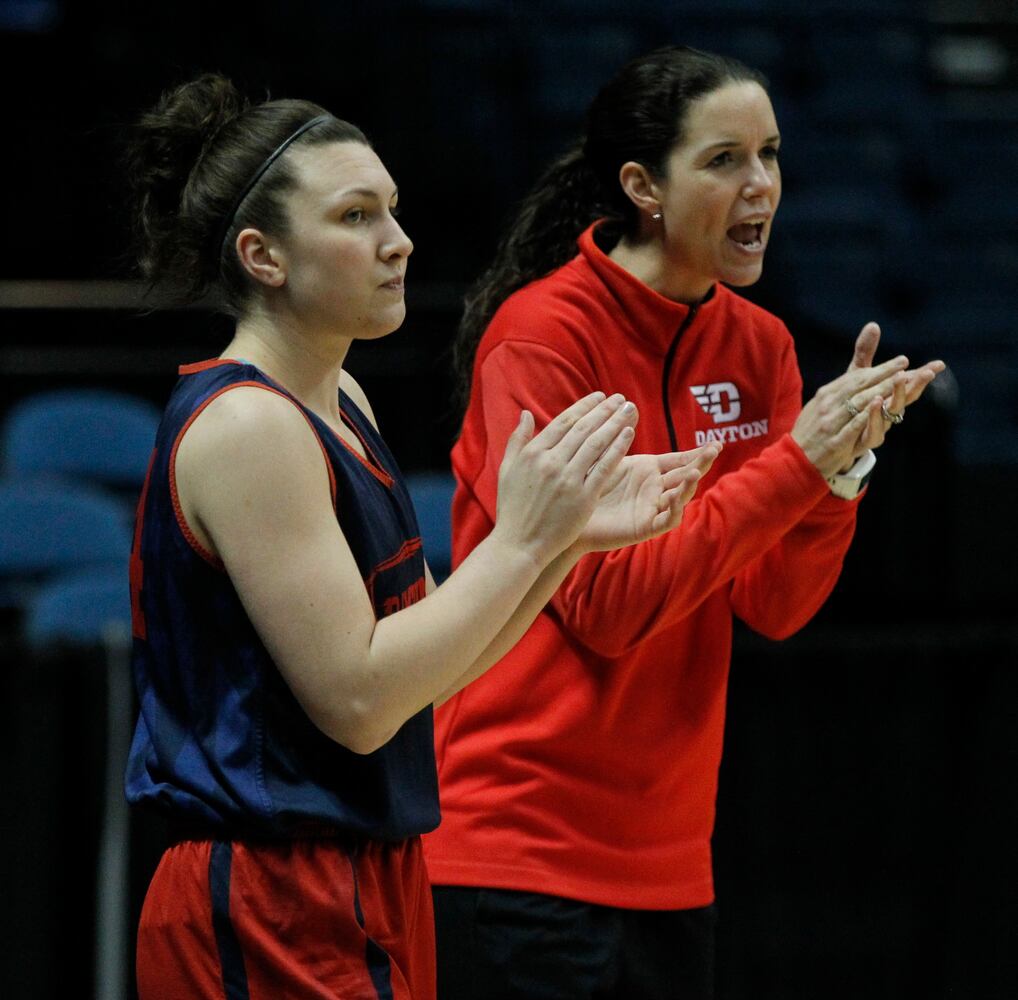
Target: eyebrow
(365, 193)
(731, 143)
(357, 192)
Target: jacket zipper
(669, 359)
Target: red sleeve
(780, 591)
(613, 601)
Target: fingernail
(629, 407)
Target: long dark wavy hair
(639, 115)
(188, 158)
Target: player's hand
(549, 484)
(646, 497)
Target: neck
(644, 259)
(307, 365)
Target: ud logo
(719, 399)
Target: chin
(742, 278)
(384, 326)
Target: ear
(261, 257)
(640, 187)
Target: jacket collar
(652, 316)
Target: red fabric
(292, 910)
(585, 763)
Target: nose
(760, 180)
(396, 242)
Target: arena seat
(86, 434)
(51, 527)
(431, 493)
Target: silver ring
(850, 406)
(894, 418)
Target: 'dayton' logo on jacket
(720, 400)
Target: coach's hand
(853, 412)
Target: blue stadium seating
(431, 493)
(89, 434)
(51, 527)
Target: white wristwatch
(849, 484)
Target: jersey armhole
(185, 529)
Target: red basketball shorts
(289, 921)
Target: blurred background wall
(866, 823)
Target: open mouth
(748, 235)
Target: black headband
(260, 172)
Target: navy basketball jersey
(221, 743)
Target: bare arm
(253, 485)
(646, 498)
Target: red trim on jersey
(373, 466)
(371, 463)
(137, 571)
(204, 366)
(185, 528)
(406, 550)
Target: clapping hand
(853, 412)
(550, 482)
(646, 497)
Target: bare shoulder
(350, 386)
(248, 421)
(250, 457)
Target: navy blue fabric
(375, 956)
(221, 742)
(231, 958)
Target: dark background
(866, 821)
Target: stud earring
(657, 216)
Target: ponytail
(164, 150)
(567, 198)
(638, 116)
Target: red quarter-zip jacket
(585, 763)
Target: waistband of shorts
(180, 831)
